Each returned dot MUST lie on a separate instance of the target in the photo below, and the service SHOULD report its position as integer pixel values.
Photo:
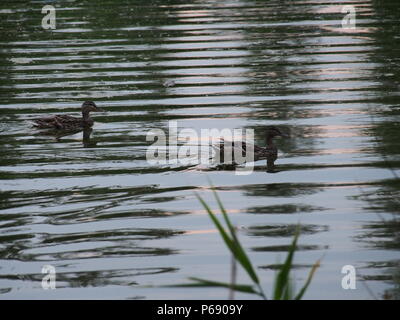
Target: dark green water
(112, 224)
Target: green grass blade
(208, 283)
(240, 254)
(205, 283)
(288, 292)
(228, 241)
(310, 276)
(282, 284)
(224, 213)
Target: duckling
(65, 122)
(270, 152)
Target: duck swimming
(65, 122)
(269, 152)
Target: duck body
(66, 122)
(269, 152)
(62, 122)
(260, 153)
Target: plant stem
(261, 292)
(233, 278)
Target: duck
(269, 152)
(66, 122)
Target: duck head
(273, 132)
(89, 106)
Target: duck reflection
(87, 142)
(271, 164)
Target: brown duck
(269, 152)
(65, 122)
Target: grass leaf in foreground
(245, 288)
(283, 289)
(283, 281)
(239, 253)
(309, 278)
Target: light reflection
(190, 232)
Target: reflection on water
(58, 134)
(89, 203)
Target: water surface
(112, 224)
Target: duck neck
(270, 143)
(85, 116)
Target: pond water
(117, 227)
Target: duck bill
(100, 110)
